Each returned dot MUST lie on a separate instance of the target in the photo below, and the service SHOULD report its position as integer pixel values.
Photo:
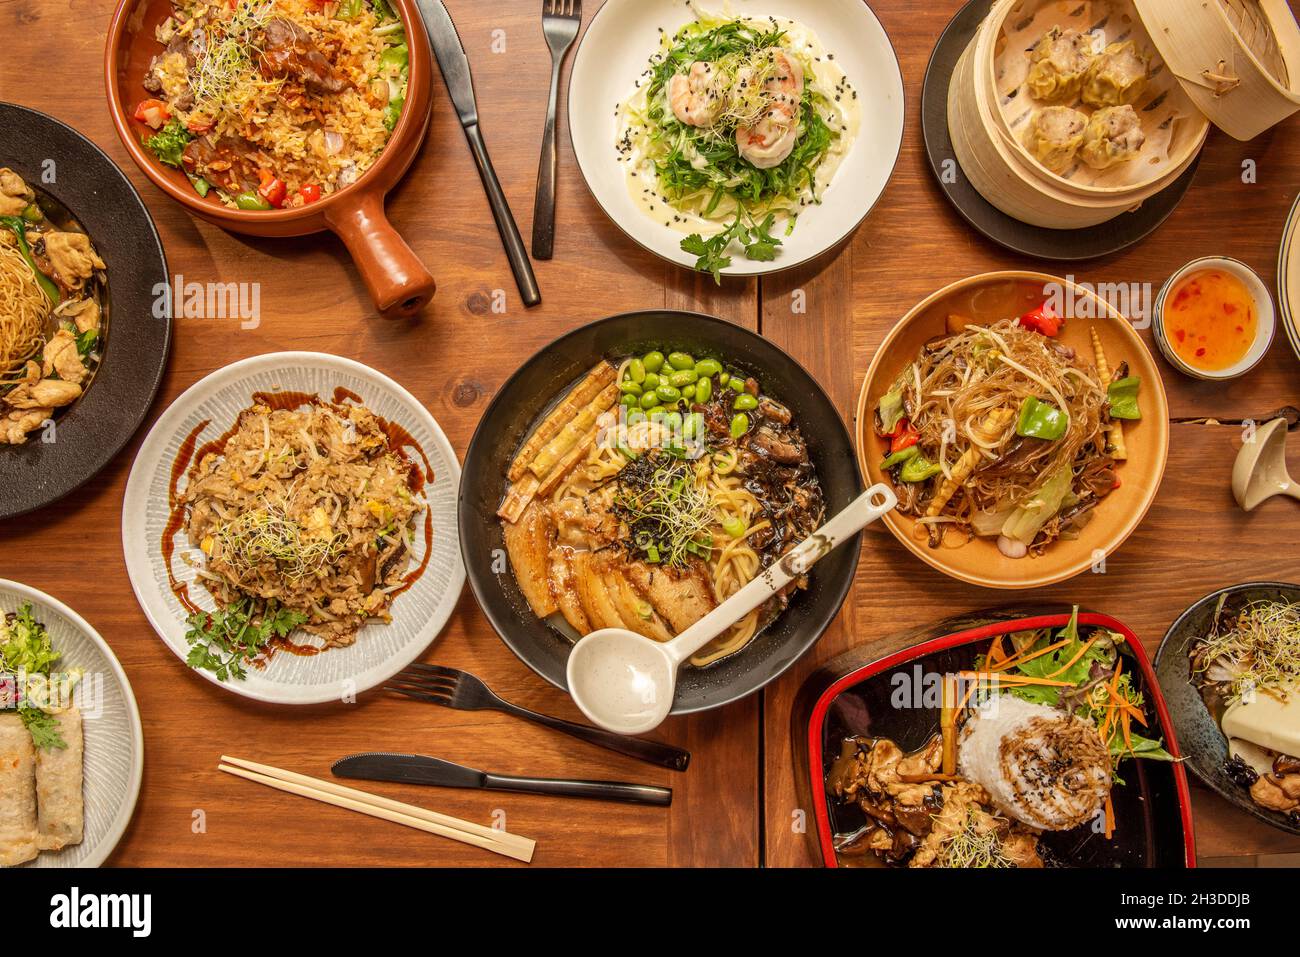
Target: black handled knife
(422, 769)
(460, 84)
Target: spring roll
(59, 808)
(18, 841)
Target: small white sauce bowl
(1265, 328)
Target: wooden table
(738, 804)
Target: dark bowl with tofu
(531, 394)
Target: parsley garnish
(756, 238)
(226, 640)
(43, 729)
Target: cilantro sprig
(225, 641)
(756, 239)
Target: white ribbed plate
(114, 742)
(380, 650)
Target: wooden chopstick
(327, 792)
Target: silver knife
(422, 769)
(460, 85)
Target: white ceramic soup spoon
(625, 682)
(1260, 470)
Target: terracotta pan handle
(394, 276)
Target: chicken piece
(289, 51)
(528, 546)
(15, 426)
(45, 394)
(564, 587)
(680, 597)
(84, 313)
(14, 194)
(73, 259)
(1267, 792)
(61, 356)
(959, 799)
(638, 614)
(595, 599)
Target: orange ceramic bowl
(397, 281)
(1000, 295)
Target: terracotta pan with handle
(396, 279)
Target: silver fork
(464, 692)
(560, 22)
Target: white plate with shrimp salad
(731, 139)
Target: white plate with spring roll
(289, 528)
(740, 137)
(71, 746)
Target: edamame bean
(680, 360)
(649, 400)
(673, 421)
(739, 425)
(688, 392)
(653, 361)
(703, 390)
(724, 378)
(651, 381)
(706, 368)
(737, 383)
(682, 377)
(629, 400)
(635, 416)
(668, 393)
(636, 371)
(744, 402)
(629, 388)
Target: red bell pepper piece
(310, 193)
(272, 189)
(1042, 320)
(903, 437)
(154, 113)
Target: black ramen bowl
(64, 166)
(1204, 743)
(857, 693)
(542, 381)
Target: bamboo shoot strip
(597, 379)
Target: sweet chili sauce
(1210, 319)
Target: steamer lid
(1238, 60)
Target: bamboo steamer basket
(1013, 186)
(1239, 60)
(1188, 132)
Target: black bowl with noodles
(71, 173)
(1204, 744)
(542, 381)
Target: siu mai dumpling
(1113, 135)
(1117, 76)
(1058, 63)
(1055, 135)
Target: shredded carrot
(1079, 654)
(1110, 817)
(995, 649)
(1018, 659)
(1014, 679)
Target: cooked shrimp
(768, 141)
(694, 95)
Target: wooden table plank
(1194, 540)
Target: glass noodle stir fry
(736, 125)
(1002, 430)
(274, 103)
